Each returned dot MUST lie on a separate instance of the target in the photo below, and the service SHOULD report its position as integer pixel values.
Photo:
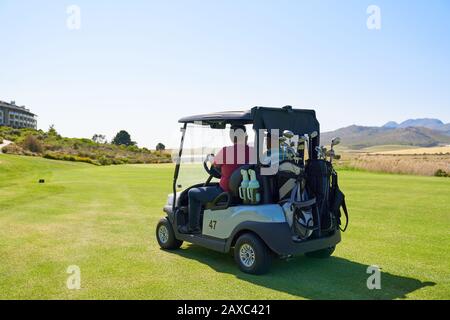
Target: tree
(123, 138)
(160, 147)
(52, 130)
(32, 144)
(99, 138)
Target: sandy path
(4, 144)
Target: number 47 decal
(212, 224)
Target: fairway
(103, 219)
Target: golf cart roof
(229, 117)
(300, 121)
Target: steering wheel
(212, 171)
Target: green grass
(103, 220)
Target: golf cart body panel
(278, 237)
(221, 223)
(218, 245)
(168, 208)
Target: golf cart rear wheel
(166, 236)
(251, 254)
(321, 254)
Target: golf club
(306, 137)
(321, 152)
(288, 134)
(312, 136)
(334, 143)
(285, 145)
(301, 148)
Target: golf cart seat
(221, 202)
(226, 199)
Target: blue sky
(142, 65)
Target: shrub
(104, 161)
(10, 133)
(32, 144)
(49, 156)
(51, 145)
(117, 161)
(64, 157)
(15, 132)
(69, 158)
(87, 160)
(133, 148)
(441, 173)
(13, 149)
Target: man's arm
(219, 159)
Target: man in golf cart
(228, 160)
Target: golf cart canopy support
(299, 121)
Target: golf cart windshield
(200, 141)
(207, 134)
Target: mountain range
(412, 132)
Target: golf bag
(322, 182)
(299, 213)
(337, 200)
(297, 205)
(289, 174)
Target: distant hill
(413, 132)
(391, 124)
(434, 124)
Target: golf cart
(285, 202)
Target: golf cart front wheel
(321, 254)
(251, 254)
(166, 236)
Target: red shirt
(231, 158)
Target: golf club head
(320, 154)
(288, 134)
(291, 151)
(331, 153)
(335, 141)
